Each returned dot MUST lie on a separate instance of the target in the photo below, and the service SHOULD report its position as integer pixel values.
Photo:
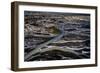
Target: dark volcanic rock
(41, 27)
(55, 55)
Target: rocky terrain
(56, 36)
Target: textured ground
(56, 36)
